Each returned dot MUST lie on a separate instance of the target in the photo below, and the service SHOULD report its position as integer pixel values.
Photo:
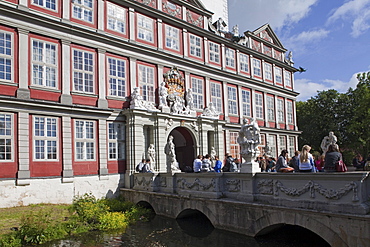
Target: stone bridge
(334, 206)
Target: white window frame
(116, 140)
(232, 100)
(291, 146)
(6, 136)
(44, 65)
(268, 71)
(244, 63)
(44, 4)
(87, 138)
(287, 79)
(117, 77)
(198, 93)
(270, 108)
(83, 10)
(7, 56)
(234, 145)
(172, 38)
(278, 75)
(45, 138)
(257, 67)
(146, 82)
(280, 110)
(83, 73)
(195, 43)
(272, 144)
(246, 103)
(214, 52)
(289, 110)
(258, 105)
(116, 18)
(230, 57)
(216, 96)
(145, 28)
(282, 143)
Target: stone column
(237, 61)
(66, 97)
(226, 101)
(161, 141)
(133, 75)
(101, 10)
(67, 138)
(66, 10)
(131, 21)
(103, 157)
(240, 104)
(207, 91)
(24, 174)
(185, 39)
(206, 51)
(265, 113)
(223, 57)
(23, 91)
(160, 33)
(102, 101)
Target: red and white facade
(67, 71)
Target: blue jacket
(218, 166)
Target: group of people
(144, 166)
(302, 161)
(206, 164)
(360, 163)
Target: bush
(10, 240)
(89, 209)
(112, 221)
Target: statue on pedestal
(151, 155)
(169, 150)
(331, 139)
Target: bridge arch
(275, 220)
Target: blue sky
(329, 38)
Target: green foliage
(112, 221)
(119, 204)
(10, 240)
(89, 209)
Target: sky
(328, 38)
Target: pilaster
(160, 33)
(101, 10)
(66, 5)
(223, 57)
(24, 174)
(102, 101)
(131, 21)
(23, 91)
(133, 75)
(208, 91)
(206, 50)
(185, 42)
(103, 164)
(226, 102)
(66, 97)
(67, 175)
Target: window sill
(45, 89)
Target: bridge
(335, 206)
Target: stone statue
(213, 156)
(331, 139)
(163, 92)
(136, 99)
(267, 149)
(151, 155)
(210, 111)
(190, 99)
(171, 155)
(249, 138)
(236, 30)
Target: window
(83, 10)
(278, 76)
(270, 108)
(290, 112)
(116, 18)
(47, 4)
(259, 105)
(246, 103)
(45, 138)
(117, 77)
(230, 58)
(232, 99)
(195, 46)
(214, 52)
(280, 109)
(256, 67)
(83, 71)
(146, 82)
(116, 141)
(44, 64)
(145, 28)
(6, 137)
(84, 140)
(282, 143)
(272, 144)
(197, 88)
(172, 38)
(234, 145)
(244, 63)
(291, 146)
(268, 72)
(6, 56)
(216, 96)
(287, 79)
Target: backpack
(139, 167)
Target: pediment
(266, 33)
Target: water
(198, 232)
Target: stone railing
(336, 192)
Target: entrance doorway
(184, 148)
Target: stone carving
(163, 181)
(267, 149)
(331, 139)
(197, 184)
(151, 155)
(171, 9)
(137, 101)
(143, 182)
(266, 186)
(289, 58)
(233, 185)
(210, 111)
(168, 123)
(190, 19)
(190, 99)
(236, 30)
(172, 164)
(249, 138)
(194, 125)
(163, 93)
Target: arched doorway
(184, 147)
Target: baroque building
(87, 85)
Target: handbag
(340, 166)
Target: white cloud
(277, 13)
(355, 11)
(308, 88)
(298, 42)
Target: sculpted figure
(213, 156)
(171, 155)
(163, 92)
(249, 138)
(210, 111)
(151, 155)
(136, 99)
(189, 99)
(331, 139)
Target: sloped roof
(195, 3)
(266, 33)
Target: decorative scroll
(163, 182)
(143, 182)
(313, 188)
(266, 187)
(198, 22)
(197, 185)
(172, 9)
(233, 185)
(151, 3)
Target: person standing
(206, 164)
(282, 164)
(197, 164)
(218, 164)
(332, 156)
(305, 160)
